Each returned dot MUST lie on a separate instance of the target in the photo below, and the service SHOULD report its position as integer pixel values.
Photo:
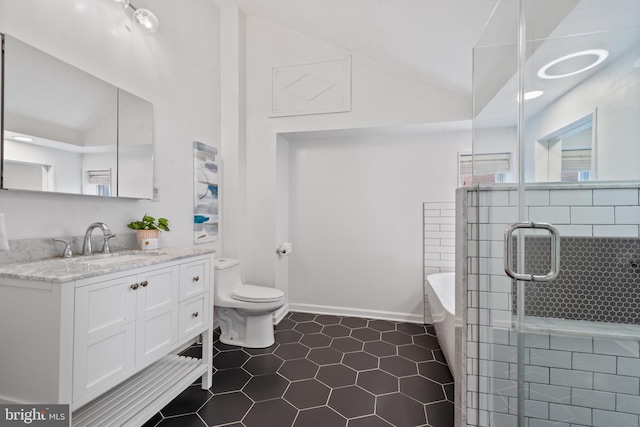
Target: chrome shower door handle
(555, 252)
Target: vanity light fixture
(599, 54)
(143, 17)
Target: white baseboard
(5, 401)
(279, 314)
(356, 312)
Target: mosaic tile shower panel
(599, 279)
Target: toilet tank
(226, 275)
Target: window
(485, 168)
(576, 165)
(99, 181)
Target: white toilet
(244, 311)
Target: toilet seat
(251, 293)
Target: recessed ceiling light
(23, 139)
(599, 54)
(532, 94)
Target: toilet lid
(251, 293)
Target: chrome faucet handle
(105, 244)
(66, 253)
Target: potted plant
(147, 231)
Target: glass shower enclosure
(549, 228)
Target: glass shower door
(580, 78)
(563, 100)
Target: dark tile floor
(327, 371)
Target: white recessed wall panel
(311, 88)
(356, 220)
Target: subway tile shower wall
(570, 379)
(599, 279)
(439, 243)
(439, 237)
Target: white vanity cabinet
(109, 339)
(121, 324)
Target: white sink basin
(115, 259)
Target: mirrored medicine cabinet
(66, 131)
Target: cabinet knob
(134, 286)
(144, 284)
(196, 278)
(195, 314)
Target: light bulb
(122, 4)
(146, 19)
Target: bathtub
(441, 295)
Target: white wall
(381, 96)
(283, 206)
(177, 69)
(356, 219)
(233, 144)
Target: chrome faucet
(106, 231)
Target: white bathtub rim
(440, 280)
(441, 300)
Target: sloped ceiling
(429, 39)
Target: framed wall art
(205, 189)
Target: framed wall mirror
(66, 131)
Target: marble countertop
(83, 266)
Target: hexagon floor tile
(323, 371)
